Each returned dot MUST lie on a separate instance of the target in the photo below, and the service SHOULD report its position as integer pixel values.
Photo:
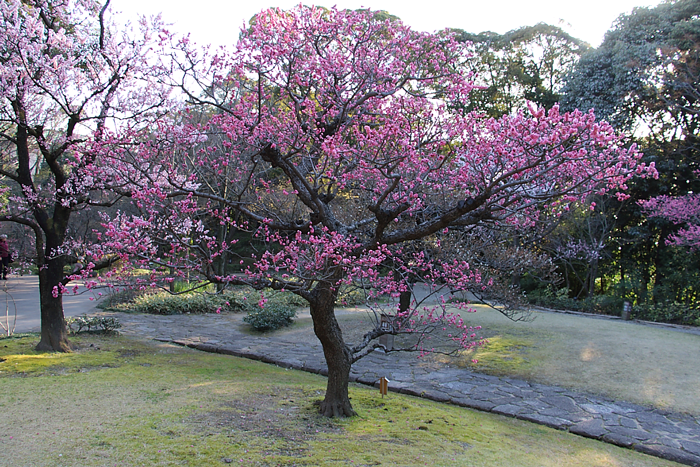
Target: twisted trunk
(338, 355)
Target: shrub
(668, 312)
(350, 295)
(164, 303)
(239, 299)
(559, 299)
(273, 315)
(120, 301)
(86, 323)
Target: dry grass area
(622, 360)
(124, 402)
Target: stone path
(656, 432)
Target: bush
(280, 308)
(164, 303)
(119, 301)
(159, 302)
(273, 315)
(92, 323)
(350, 296)
(599, 304)
(668, 312)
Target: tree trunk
(338, 356)
(592, 276)
(54, 335)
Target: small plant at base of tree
(84, 323)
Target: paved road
(22, 293)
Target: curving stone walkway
(656, 432)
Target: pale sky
(219, 21)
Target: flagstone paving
(660, 433)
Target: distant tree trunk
(592, 276)
(223, 257)
(658, 294)
(405, 297)
(338, 356)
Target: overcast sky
(219, 21)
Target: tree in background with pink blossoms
(70, 85)
(683, 211)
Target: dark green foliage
(668, 312)
(526, 64)
(279, 310)
(645, 79)
(273, 315)
(646, 69)
(598, 304)
(164, 303)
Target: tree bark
(54, 335)
(338, 355)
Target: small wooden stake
(383, 386)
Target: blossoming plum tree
(65, 75)
(337, 138)
(681, 210)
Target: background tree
(65, 76)
(644, 79)
(524, 65)
(347, 146)
(685, 211)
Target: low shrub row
(599, 304)
(278, 310)
(667, 312)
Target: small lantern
(386, 324)
(626, 311)
(387, 340)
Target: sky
(218, 22)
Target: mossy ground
(118, 401)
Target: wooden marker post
(383, 386)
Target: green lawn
(120, 401)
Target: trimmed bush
(279, 310)
(273, 315)
(351, 296)
(164, 303)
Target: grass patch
(128, 402)
(501, 355)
